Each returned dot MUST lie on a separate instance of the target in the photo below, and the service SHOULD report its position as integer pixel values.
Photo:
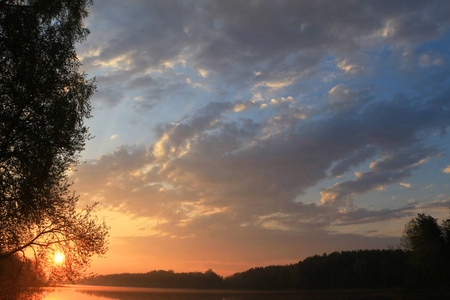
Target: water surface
(85, 292)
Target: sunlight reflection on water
(67, 293)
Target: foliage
(428, 245)
(423, 233)
(44, 100)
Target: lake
(85, 292)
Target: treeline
(160, 279)
(338, 270)
(422, 263)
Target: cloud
(405, 158)
(391, 168)
(247, 172)
(426, 60)
(365, 216)
(405, 185)
(227, 42)
(341, 194)
(341, 97)
(347, 67)
(353, 160)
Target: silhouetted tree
(428, 246)
(44, 100)
(423, 233)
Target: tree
(423, 233)
(445, 228)
(428, 245)
(44, 100)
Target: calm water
(84, 292)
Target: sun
(59, 257)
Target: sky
(236, 134)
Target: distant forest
(349, 269)
(422, 263)
(338, 270)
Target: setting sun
(59, 257)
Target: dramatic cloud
(254, 172)
(248, 124)
(264, 44)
